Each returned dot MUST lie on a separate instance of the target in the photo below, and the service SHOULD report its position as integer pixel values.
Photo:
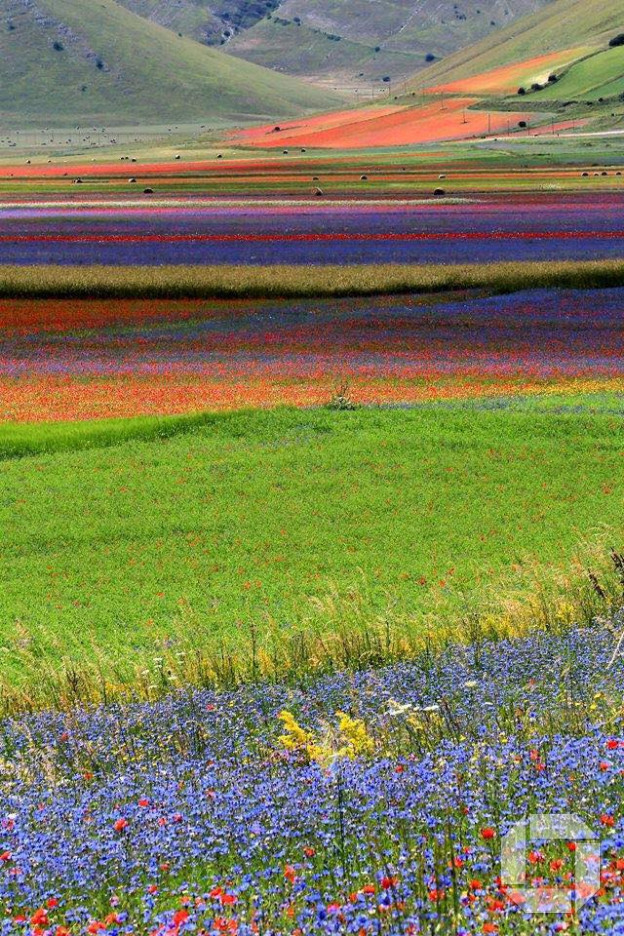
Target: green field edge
(21, 440)
(343, 632)
(282, 281)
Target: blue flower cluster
(191, 815)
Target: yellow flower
(296, 737)
(354, 733)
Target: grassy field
(47, 282)
(273, 540)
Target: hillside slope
(68, 62)
(335, 41)
(583, 26)
(209, 21)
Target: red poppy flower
(388, 882)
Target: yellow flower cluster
(350, 740)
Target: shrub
(617, 41)
(521, 90)
(342, 399)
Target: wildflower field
(311, 552)
(371, 803)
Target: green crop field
(598, 75)
(255, 526)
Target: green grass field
(240, 534)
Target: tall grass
(19, 440)
(341, 632)
(249, 282)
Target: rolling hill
(334, 41)
(570, 30)
(68, 62)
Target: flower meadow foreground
(367, 803)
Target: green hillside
(598, 76)
(335, 41)
(561, 25)
(386, 38)
(321, 57)
(68, 62)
